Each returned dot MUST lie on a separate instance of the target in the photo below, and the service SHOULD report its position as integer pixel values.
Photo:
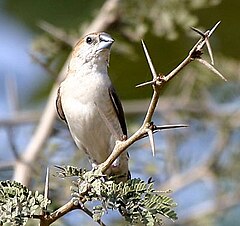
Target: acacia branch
(48, 219)
(158, 82)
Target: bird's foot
(123, 138)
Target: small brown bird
(88, 103)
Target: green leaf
(135, 199)
(17, 203)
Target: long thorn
(198, 31)
(211, 68)
(145, 84)
(151, 139)
(153, 71)
(165, 127)
(209, 50)
(214, 28)
(209, 33)
(46, 188)
(176, 126)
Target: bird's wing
(59, 106)
(118, 109)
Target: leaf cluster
(17, 203)
(136, 200)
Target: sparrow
(88, 103)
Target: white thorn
(153, 71)
(210, 67)
(46, 188)
(151, 139)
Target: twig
(47, 219)
(157, 83)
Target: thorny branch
(158, 82)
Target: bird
(88, 103)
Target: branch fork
(157, 82)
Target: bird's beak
(106, 41)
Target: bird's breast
(81, 109)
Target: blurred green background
(199, 164)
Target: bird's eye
(89, 40)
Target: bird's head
(93, 50)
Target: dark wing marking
(59, 106)
(118, 109)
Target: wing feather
(118, 109)
(59, 106)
